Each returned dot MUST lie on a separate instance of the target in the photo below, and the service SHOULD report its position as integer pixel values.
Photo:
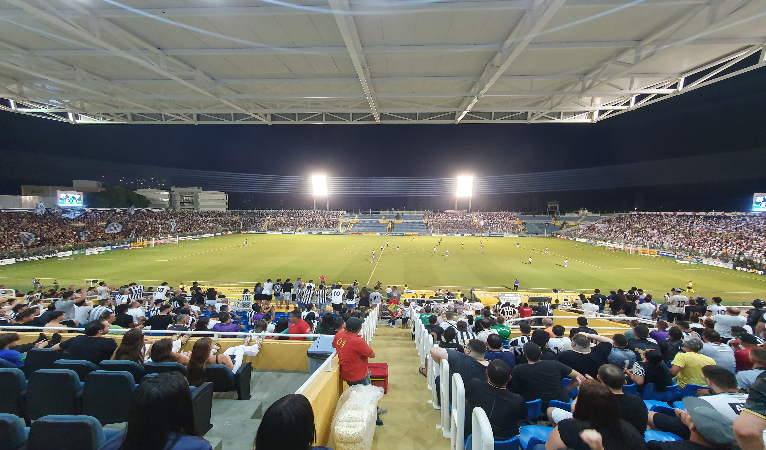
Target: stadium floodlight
(319, 187)
(464, 189)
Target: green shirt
(424, 318)
(503, 331)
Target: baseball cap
(748, 338)
(353, 323)
(716, 428)
(675, 290)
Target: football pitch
(227, 261)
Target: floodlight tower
(464, 189)
(319, 185)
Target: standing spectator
(724, 322)
(676, 305)
(646, 310)
(103, 292)
(687, 367)
(525, 311)
(162, 320)
(471, 364)
(67, 303)
(504, 409)
(716, 308)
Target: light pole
(464, 189)
(319, 187)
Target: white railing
(457, 437)
(481, 431)
(444, 387)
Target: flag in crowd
(40, 209)
(26, 238)
(73, 213)
(173, 226)
(131, 210)
(84, 235)
(113, 227)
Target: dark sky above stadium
(728, 116)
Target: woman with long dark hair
(595, 408)
(288, 424)
(162, 351)
(132, 347)
(161, 417)
(204, 353)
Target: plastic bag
(354, 421)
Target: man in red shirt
(525, 311)
(297, 326)
(353, 352)
(742, 345)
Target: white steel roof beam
(342, 12)
(522, 34)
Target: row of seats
(50, 432)
(104, 395)
(222, 378)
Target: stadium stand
(464, 222)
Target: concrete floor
(235, 422)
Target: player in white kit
(566, 262)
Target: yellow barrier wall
(569, 320)
(323, 394)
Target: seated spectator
(620, 355)
(746, 378)
(463, 333)
(721, 353)
(226, 324)
(705, 427)
(484, 329)
(661, 333)
(725, 398)
(502, 329)
(297, 325)
(136, 309)
(122, 319)
(469, 365)
(582, 327)
(288, 424)
(133, 347)
(596, 408)
(654, 370)
(673, 344)
(162, 320)
(166, 396)
(632, 407)
(495, 351)
(93, 346)
(525, 328)
(687, 367)
(542, 378)
(558, 342)
(449, 340)
(204, 353)
(641, 343)
(168, 350)
(202, 324)
(586, 359)
(504, 409)
(434, 329)
(181, 321)
(15, 354)
(743, 344)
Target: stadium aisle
(411, 421)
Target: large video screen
(759, 202)
(70, 199)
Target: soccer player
(245, 241)
(373, 253)
(446, 254)
(397, 247)
(530, 260)
(440, 240)
(386, 243)
(690, 287)
(517, 245)
(462, 245)
(482, 248)
(533, 249)
(373, 259)
(434, 250)
(546, 249)
(566, 262)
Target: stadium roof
(366, 61)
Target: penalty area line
(376, 266)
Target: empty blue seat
(202, 399)
(690, 390)
(13, 434)
(106, 395)
(80, 366)
(224, 380)
(510, 444)
(13, 388)
(6, 364)
(630, 389)
(128, 366)
(53, 391)
(163, 367)
(531, 435)
(670, 393)
(562, 405)
(679, 404)
(662, 436)
(40, 358)
(77, 432)
(662, 409)
(534, 409)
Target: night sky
(728, 116)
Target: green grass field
(225, 261)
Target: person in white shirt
(268, 287)
(103, 291)
(486, 331)
(337, 299)
(676, 305)
(159, 293)
(716, 307)
(558, 341)
(449, 321)
(724, 322)
(81, 313)
(645, 310)
(590, 309)
(136, 310)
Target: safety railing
(457, 438)
(444, 387)
(481, 431)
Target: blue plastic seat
(662, 409)
(650, 393)
(531, 435)
(78, 432)
(6, 364)
(562, 405)
(13, 433)
(690, 390)
(40, 358)
(106, 395)
(534, 409)
(80, 366)
(53, 391)
(679, 404)
(661, 436)
(510, 444)
(13, 389)
(630, 389)
(128, 366)
(224, 380)
(163, 367)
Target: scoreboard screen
(70, 199)
(759, 202)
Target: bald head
(733, 311)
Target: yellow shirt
(691, 365)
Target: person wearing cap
(676, 305)
(708, 428)
(726, 399)
(743, 344)
(755, 315)
(724, 322)
(687, 366)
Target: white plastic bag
(354, 421)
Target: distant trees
(116, 197)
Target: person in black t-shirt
(93, 347)
(542, 379)
(584, 358)
(642, 342)
(122, 319)
(582, 327)
(504, 409)
(434, 329)
(162, 320)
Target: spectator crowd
(476, 222)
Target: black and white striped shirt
(322, 295)
(153, 311)
(136, 292)
(96, 312)
(464, 336)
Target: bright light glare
(464, 186)
(319, 183)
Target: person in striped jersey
(302, 295)
(322, 295)
(156, 309)
(136, 291)
(103, 306)
(463, 333)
